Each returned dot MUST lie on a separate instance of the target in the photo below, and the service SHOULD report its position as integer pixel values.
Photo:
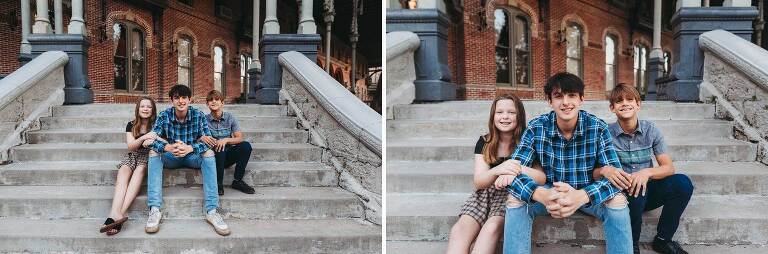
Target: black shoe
(636, 248)
(221, 190)
(242, 186)
(667, 247)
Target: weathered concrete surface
(435, 247)
(115, 136)
(347, 130)
(191, 236)
(736, 79)
(401, 70)
(27, 94)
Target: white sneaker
(153, 222)
(213, 218)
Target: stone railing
(348, 131)
(736, 79)
(28, 94)
(401, 70)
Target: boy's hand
(548, 197)
(639, 182)
(617, 177)
(570, 199)
(220, 144)
(208, 140)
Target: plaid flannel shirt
(570, 161)
(169, 128)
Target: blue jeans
(192, 160)
(672, 192)
(518, 223)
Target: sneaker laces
(216, 219)
(154, 215)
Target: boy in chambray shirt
(637, 142)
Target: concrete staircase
(58, 190)
(429, 176)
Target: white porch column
(306, 22)
(688, 3)
(270, 20)
(25, 27)
(77, 24)
(737, 3)
(57, 23)
(42, 24)
(706, 3)
(255, 64)
(656, 51)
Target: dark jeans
(672, 192)
(238, 154)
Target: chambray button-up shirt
(636, 150)
(223, 127)
(570, 161)
(193, 127)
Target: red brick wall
(472, 63)
(10, 38)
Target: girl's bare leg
(133, 187)
(121, 184)
(462, 235)
(489, 236)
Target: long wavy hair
(136, 131)
(491, 148)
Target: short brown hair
(622, 91)
(214, 95)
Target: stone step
(709, 219)
(724, 178)
(118, 123)
(275, 174)
(116, 136)
(462, 128)
(63, 202)
(681, 149)
(127, 110)
(115, 151)
(439, 247)
(190, 236)
(479, 110)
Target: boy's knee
(513, 202)
(209, 153)
(684, 184)
(247, 146)
(617, 202)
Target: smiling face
(215, 105)
(180, 103)
(625, 108)
(565, 105)
(505, 116)
(145, 109)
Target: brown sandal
(114, 230)
(111, 223)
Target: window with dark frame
(610, 62)
(185, 67)
(129, 58)
(219, 82)
(574, 49)
(640, 60)
(513, 54)
(187, 2)
(245, 62)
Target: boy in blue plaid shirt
(570, 144)
(182, 125)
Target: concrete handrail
(736, 79)
(401, 68)
(27, 94)
(347, 130)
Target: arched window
(245, 63)
(185, 70)
(574, 49)
(610, 62)
(667, 63)
(219, 81)
(513, 52)
(129, 58)
(640, 62)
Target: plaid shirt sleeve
(602, 190)
(159, 128)
(522, 186)
(199, 147)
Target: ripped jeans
(617, 229)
